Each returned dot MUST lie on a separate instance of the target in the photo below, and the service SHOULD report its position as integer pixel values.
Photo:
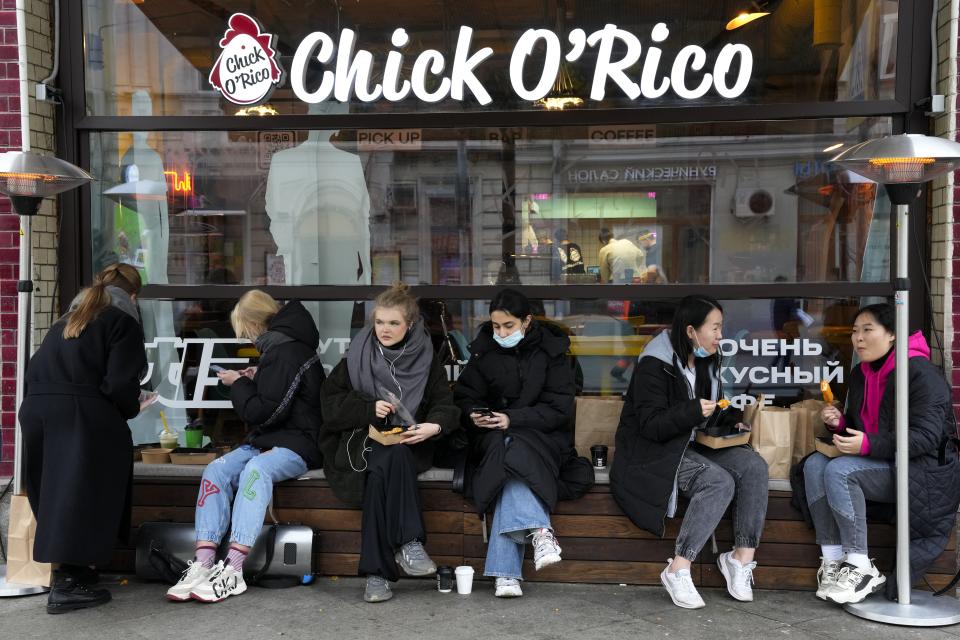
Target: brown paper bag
(597, 420)
(21, 569)
(771, 436)
(809, 425)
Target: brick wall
(39, 63)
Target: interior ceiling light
(753, 11)
(833, 147)
(258, 110)
(563, 94)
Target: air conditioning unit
(752, 202)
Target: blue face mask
(510, 341)
(699, 352)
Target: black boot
(68, 593)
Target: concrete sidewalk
(332, 608)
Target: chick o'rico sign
(246, 71)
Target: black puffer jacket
(255, 401)
(657, 420)
(533, 385)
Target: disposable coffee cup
(464, 580)
(445, 579)
(193, 437)
(599, 454)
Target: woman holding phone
(391, 381)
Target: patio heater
(27, 178)
(902, 163)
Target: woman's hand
(383, 409)
(850, 445)
(483, 421)
(499, 421)
(420, 432)
(707, 407)
(831, 416)
(229, 376)
(249, 372)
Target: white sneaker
(508, 588)
(739, 577)
(225, 581)
(855, 584)
(193, 575)
(827, 576)
(546, 551)
(680, 587)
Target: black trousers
(391, 509)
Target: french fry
(826, 391)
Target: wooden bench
(600, 544)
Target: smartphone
(483, 411)
(217, 368)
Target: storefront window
(780, 348)
(660, 53)
(699, 203)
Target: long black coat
(349, 413)
(655, 425)
(78, 452)
(533, 385)
(934, 487)
(255, 401)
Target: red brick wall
(10, 139)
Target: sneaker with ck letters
(855, 584)
(546, 550)
(680, 587)
(827, 576)
(739, 577)
(224, 581)
(193, 575)
(414, 561)
(507, 588)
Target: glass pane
(156, 58)
(699, 203)
(780, 347)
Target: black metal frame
(912, 85)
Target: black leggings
(391, 509)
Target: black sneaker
(854, 584)
(69, 594)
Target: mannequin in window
(319, 211)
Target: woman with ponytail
(82, 385)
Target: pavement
(332, 608)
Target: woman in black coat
(675, 389)
(390, 378)
(82, 386)
(517, 396)
(279, 400)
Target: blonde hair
(95, 298)
(254, 311)
(398, 297)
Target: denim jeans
(252, 474)
(712, 479)
(518, 511)
(837, 494)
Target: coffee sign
(246, 71)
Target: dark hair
(511, 301)
(692, 311)
(884, 314)
(605, 235)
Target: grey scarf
(375, 369)
(269, 339)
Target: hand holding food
(831, 416)
(383, 409)
(707, 407)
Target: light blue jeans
(518, 511)
(249, 475)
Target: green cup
(193, 438)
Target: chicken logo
(246, 71)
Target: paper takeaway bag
(597, 420)
(21, 569)
(771, 436)
(809, 425)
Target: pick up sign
(246, 71)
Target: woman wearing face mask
(82, 386)
(516, 394)
(674, 390)
(394, 358)
(838, 488)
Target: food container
(827, 448)
(722, 442)
(184, 455)
(156, 456)
(386, 439)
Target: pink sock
(235, 558)
(205, 555)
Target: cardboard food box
(386, 439)
(183, 455)
(722, 442)
(827, 448)
(156, 456)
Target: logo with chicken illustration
(247, 70)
